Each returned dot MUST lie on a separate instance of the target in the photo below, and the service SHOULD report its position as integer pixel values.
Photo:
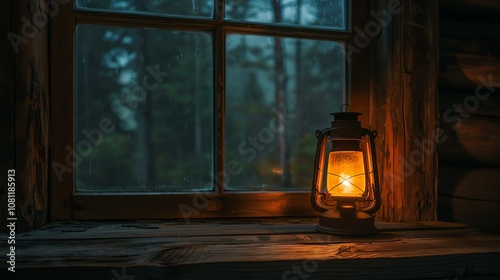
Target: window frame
(65, 204)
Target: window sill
(284, 248)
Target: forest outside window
(194, 88)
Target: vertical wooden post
(404, 110)
(6, 109)
(26, 81)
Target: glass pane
(307, 13)
(194, 8)
(144, 109)
(279, 91)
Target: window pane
(194, 8)
(144, 109)
(307, 13)
(279, 91)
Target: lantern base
(346, 222)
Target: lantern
(345, 183)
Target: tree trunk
(279, 92)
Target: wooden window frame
(65, 204)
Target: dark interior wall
(469, 104)
(24, 101)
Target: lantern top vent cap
(345, 116)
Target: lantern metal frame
(350, 215)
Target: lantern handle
(347, 107)
(376, 187)
(321, 135)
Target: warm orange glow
(277, 171)
(346, 174)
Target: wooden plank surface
(253, 249)
(89, 230)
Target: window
(203, 108)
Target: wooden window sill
(285, 248)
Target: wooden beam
(471, 45)
(31, 88)
(485, 10)
(469, 141)
(485, 104)
(469, 29)
(193, 206)
(466, 72)
(470, 183)
(474, 213)
(7, 156)
(404, 111)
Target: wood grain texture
(31, 119)
(404, 111)
(255, 249)
(205, 230)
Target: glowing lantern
(345, 184)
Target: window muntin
(170, 8)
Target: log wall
(469, 104)
(24, 96)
